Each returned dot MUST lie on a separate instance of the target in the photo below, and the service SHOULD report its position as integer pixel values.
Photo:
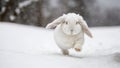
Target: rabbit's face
(71, 26)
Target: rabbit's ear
(85, 28)
(56, 22)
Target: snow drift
(33, 47)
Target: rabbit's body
(67, 41)
(69, 31)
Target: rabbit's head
(71, 24)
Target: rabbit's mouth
(71, 32)
(74, 33)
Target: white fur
(65, 41)
(69, 31)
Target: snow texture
(23, 4)
(34, 47)
(17, 10)
(12, 17)
(54, 3)
(26, 3)
(3, 10)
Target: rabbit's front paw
(77, 49)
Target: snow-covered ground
(33, 47)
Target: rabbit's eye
(77, 22)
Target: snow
(34, 47)
(3, 10)
(26, 3)
(54, 3)
(17, 10)
(106, 5)
(12, 17)
(72, 3)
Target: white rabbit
(69, 31)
